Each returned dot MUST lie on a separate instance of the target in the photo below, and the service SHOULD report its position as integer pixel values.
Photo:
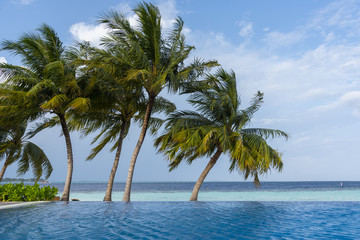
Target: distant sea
(219, 191)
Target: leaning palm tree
(216, 127)
(153, 61)
(113, 121)
(114, 102)
(46, 84)
(15, 147)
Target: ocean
(220, 191)
(225, 210)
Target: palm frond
(56, 102)
(79, 104)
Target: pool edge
(20, 204)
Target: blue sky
(304, 55)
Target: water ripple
(182, 220)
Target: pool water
(182, 220)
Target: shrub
(26, 193)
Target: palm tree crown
(14, 146)
(150, 60)
(46, 84)
(218, 126)
(115, 103)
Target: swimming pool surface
(182, 220)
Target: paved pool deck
(5, 205)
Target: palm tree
(46, 84)
(154, 62)
(216, 127)
(114, 103)
(118, 105)
(14, 146)
(114, 121)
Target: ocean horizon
(219, 191)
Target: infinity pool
(182, 220)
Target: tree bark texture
(144, 128)
(2, 173)
(116, 163)
(195, 192)
(70, 160)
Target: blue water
(182, 220)
(212, 186)
(220, 191)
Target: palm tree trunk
(195, 192)
(66, 192)
(6, 164)
(127, 190)
(116, 163)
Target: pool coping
(6, 205)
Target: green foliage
(15, 147)
(26, 193)
(218, 124)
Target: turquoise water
(182, 220)
(223, 191)
(345, 195)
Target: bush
(26, 193)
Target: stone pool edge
(6, 205)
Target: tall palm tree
(14, 146)
(114, 121)
(216, 127)
(156, 63)
(114, 103)
(46, 83)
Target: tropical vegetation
(216, 127)
(26, 193)
(46, 84)
(119, 104)
(153, 61)
(15, 147)
(105, 89)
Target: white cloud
(338, 14)
(280, 39)
(317, 93)
(340, 19)
(87, 32)
(312, 77)
(22, 2)
(93, 33)
(246, 29)
(124, 8)
(270, 121)
(301, 139)
(348, 100)
(168, 13)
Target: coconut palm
(153, 61)
(45, 84)
(219, 126)
(14, 146)
(114, 103)
(114, 121)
